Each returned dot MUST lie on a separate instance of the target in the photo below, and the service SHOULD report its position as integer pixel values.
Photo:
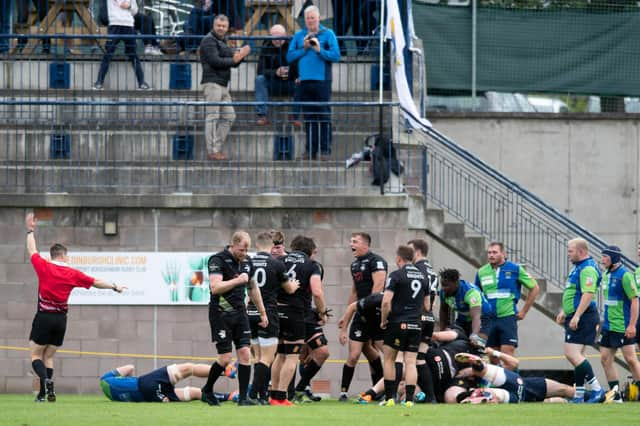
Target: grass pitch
(97, 410)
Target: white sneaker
(155, 51)
(148, 49)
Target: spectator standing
(143, 23)
(274, 76)
(56, 280)
(314, 49)
(217, 59)
(5, 24)
(121, 23)
(22, 20)
(199, 22)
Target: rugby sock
(389, 389)
(399, 368)
(260, 378)
(410, 390)
(278, 395)
(590, 378)
(347, 376)
(376, 369)
(244, 374)
(613, 384)
(49, 373)
(41, 372)
(426, 382)
(581, 372)
(309, 371)
(594, 384)
(214, 373)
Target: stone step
(226, 177)
(101, 145)
(348, 77)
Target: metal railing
(72, 70)
(158, 147)
(489, 203)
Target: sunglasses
(277, 242)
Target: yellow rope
(210, 358)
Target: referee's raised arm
(30, 223)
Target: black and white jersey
(409, 287)
(269, 274)
(362, 270)
(299, 267)
(432, 278)
(223, 263)
(310, 315)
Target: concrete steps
(471, 248)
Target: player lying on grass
(507, 386)
(122, 385)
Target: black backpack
(384, 160)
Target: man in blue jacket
(314, 49)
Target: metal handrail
(498, 208)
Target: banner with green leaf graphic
(152, 278)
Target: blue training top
(311, 64)
(121, 388)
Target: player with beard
(229, 276)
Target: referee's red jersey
(56, 281)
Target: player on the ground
(368, 272)
(56, 280)
(228, 277)
(501, 281)
(618, 330)
(474, 313)
(269, 275)
(506, 386)
(291, 308)
(403, 302)
(121, 384)
(580, 318)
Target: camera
(312, 42)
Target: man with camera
(314, 49)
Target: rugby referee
(56, 280)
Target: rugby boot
(51, 393)
(343, 397)
(387, 403)
(209, 398)
(613, 396)
(248, 402)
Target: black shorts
(156, 385)
(359, 331)
(403, 336)
(614, 340)
(291, 323)
(586, 332)
(228, 327)
(272, 330)
(48, 328)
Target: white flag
(395, 33)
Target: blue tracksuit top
(311, 64)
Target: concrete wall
(183, 331)
(586, 167)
